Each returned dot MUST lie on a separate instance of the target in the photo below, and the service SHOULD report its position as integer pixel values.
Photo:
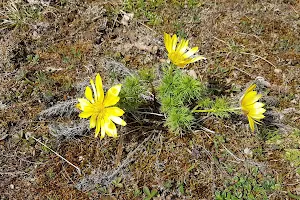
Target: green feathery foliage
(177, 93)
(134, 87)
(220, 107)
(130, 95)
(179, 119)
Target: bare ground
(53, 50)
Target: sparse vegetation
(51, 49)
(252, 186)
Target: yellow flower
(100, 109)
(178, 54)
(252, 109)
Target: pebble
(248, 152)
(11, 186)
(277, 71)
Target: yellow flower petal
(78, 106)
(110, 128)
(111, 97)
(102, 130)
(174, 42)
(252, 87)
(118, 120)
(89, 94)
(251, 98)
(85, 114)
(93, 120)
(83, 103)
(99, 88)
(114, 111)
(195, 59)
(98, 127)
(168, 42)
(94, 89)
(251, 123)
(177, 53)
(180, 46)
(190, 52)
(184, 46)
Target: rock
(248, 152)
(126, 18)
(192, 73)
(261, 82)
(277, 71)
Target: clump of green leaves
(147, 9)
(117, 182)
(179, 118)
(220, 107)
(293, 155)
(177, 93)
(248, 187)
(148, 193)
(290, 144)
(135, 88)
(17, 14)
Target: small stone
(248, 152)
(277, 71)
(169, 197)
(80, 158)
(261, 81)
(228, 80)
(2, 106)
(163, 60)
(35, 35)
(192, 73)
(154, 49)
(294, 101)
(126, 18)
(11, 186)
(33, 2)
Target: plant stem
(77, 168)
(217, 110)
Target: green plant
(179, 119)
(248, 187)
(117, 182)
(177, 93)
(220, 107)
(153, 19)
(137, 192)
(180, 30)
(50, 173)
(148, 9)
(293, 155)
(133, 88)
(149, 194)
(34, 59)
(290, 144)
(16, 15)
(181, 188)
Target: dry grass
(48, 51)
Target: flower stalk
(216, 110)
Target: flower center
(99, 109)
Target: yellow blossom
(100, 108)
(251, 107)
(180, 55)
